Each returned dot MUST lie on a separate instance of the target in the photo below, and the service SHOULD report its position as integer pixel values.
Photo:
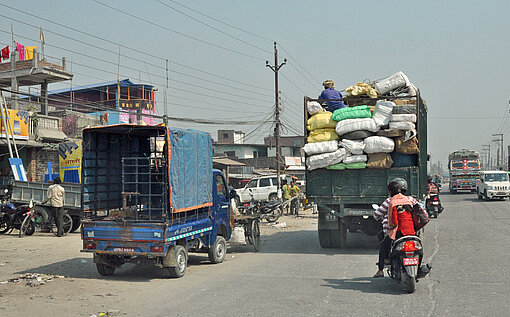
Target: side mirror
(233, 193)
(31, 203)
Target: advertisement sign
(18, 122)
(69, 155)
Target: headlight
(490, 187)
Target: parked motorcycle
(12, 218)
(269, 210)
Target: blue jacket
(331, 93)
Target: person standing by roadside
(56, 197)
(294, 193)
(286, 191)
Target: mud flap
(170, 259)
(412, 270)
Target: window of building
(255, 154)
(230, 153)
(225, 135)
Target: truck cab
(493, 185)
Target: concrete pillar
(44, 95)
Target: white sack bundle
(392, 82)
(402, 126)
(382, 112)
(314, 107)
(408, 117)
(379, 144)
(320, 147)
(355, 159)
(353, 146)
(325, 159)
(349, 125)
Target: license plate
(124, 249)
(410, 261)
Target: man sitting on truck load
(398, 223)
(330, 92)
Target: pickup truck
(493, 184)
(150, 195)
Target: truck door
(221, 203)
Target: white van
(493, 184)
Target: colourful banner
(19, 121)
(69, 155)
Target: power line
(212, 27)
(133, 58)
(291, 57)
(176, 32)
(222, 22)
(133, 49)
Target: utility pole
(275, 68)
(487, 149)
(499, 139)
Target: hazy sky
(455, 52)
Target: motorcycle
(12, 218)
(433, 206)
(405, 259)
(269, 210)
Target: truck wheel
(181, 259)
(324, 238)
(105, 270)
(339, 236)
(76, 223)
(218, 250)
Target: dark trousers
(294, 206)
(385, 247)
(58, 216)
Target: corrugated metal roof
(226, 161)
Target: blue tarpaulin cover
(190, 169)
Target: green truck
(345, 197)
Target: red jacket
(400, 219)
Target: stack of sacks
(322, 154)
(314, 107)
(362, 89)
(355, 157)
(321, 127)
(325, 159)
(382, 112)
(378, 149)
(357, 112)
(395, 85)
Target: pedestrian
(56, 198)
(294, 193)
(330, 92)
(286, 190)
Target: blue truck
(150, 194)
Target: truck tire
(339, 236)
(181, 259)
(218, 250)
(324, 238)
(76, 223)
(105, 270)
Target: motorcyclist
(433, 190)
(397, 222)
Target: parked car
(262, 188)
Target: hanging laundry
(5, 53)
(21, 51)
(29, 52)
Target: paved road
(291, 276)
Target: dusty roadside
(68, 284)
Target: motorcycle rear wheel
(27, 227)
(4, 226)
(410, 284)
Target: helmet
(328, 83)
(397, 185)
(429, 179)
(10, 206)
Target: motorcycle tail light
(410, 246)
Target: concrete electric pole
(498, 137)
(275, 68)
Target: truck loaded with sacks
(353, 153)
